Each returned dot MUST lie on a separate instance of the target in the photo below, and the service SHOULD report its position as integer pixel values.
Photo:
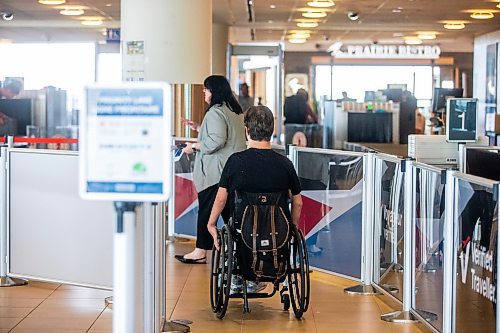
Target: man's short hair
(14, 86)
(260, 123)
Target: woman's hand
(190, 147)
(212, 228)
(192, 124)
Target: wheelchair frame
(224, 264)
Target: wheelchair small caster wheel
(285, 299)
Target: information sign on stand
(125, 136)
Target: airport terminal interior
(117, 118)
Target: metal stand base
(398, 268)
(428, 268)
(361, 289)
(108, 300)
(427, 315)
(6, 281)
(390, 288)
(176, 326)
(402, 317)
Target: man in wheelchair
(261, 243)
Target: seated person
(259, 169)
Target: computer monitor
(461, 120)
(483, 163)
(441, 95)
(395, 95)
(19, 109)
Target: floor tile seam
(180, 294)
(36, 307)
(100, 314)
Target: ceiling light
(397, 34)
(413, 41)
(482, 15)
(108, 5)
(51, 2)
(299, 36)
(498, 6)
(297, 40)
(427, 35)
(311, 14)
(454, 26)
(397, 10)
(92, 22)
(321, 3)
(272, 6)
(353, 16)
(307, 24)
(72, 11)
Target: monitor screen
(19, 109)
(483, 163)
(395, 95)
(441, 95)
(461, 120)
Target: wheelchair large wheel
(298, 274)
(221, 274)
(215, 274)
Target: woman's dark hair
(260, 123)
(221, 92)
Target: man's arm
(296, 208)
(219, 204)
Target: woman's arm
(215, 126)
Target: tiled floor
(52, 308)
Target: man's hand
(212, 228)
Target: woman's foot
(197, 256)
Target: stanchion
(124, 316)
(5, 281)
(448, 251)
(405, 315)
(366, 287)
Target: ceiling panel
(378, 21)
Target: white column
(166, 40)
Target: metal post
(366, 287)
(448, 252)
(5, 281)
(171, 202)
(279, 94)
(124, 286)
(405, 316)
(461, 157)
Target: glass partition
(476, 226)
(428, 249)
(331, 219)
(389, 227)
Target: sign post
(126, 158)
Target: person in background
(297, 109)
(311, 117)
(244, 98)
(220, 134)
(345, 98)
(11, 89)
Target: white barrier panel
(55, 235)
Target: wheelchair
(225, 262)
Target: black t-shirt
(259, 171)
(295, 110)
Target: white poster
(125, 138)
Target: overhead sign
(113, 35)
(388, 51)
(125, 143)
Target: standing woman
(221, 134)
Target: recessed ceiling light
(108, 5)
(92, 22)
(297, 40)
(397, 34)
(270, 21)
(454, 25)
(321, 3)
(482, 15)
(428, 35)
(307, 24)
(311, 14)
(72, 11)
(51, 2)
(498, 6)
(397, 10)
(413, 41)
(272, 6)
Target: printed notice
(125, 152)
